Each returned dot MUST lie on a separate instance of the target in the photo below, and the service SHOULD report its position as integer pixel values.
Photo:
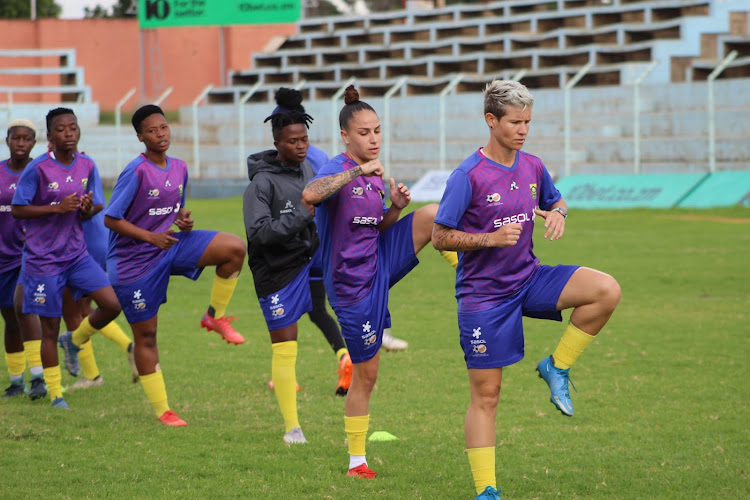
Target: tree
(123, 8)
(21, 9)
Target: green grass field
(661, 412)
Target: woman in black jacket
(282, 240)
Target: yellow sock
(114, 333)
(482, 461)
(16, 362)
(221, 294)
(571, 345)
(88, 361)
(285, 381)
(156, 392)
(33, 350)
(340, 353)
(83, 332)
(451, 257)
(356, 433)
(53, 376)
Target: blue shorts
(494, 338)
(285, 307)
(141, 299)
(43, 295)
(362, 323)
(8, 282)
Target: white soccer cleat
(295, 436)
(391, 343)
(87, 383)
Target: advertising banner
(172, 13)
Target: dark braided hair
(289, 111)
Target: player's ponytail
(352, 105)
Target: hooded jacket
(281, 233)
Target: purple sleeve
(123, 193)
(27, 186)
(455, 201)
(548, 193)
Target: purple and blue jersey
(148, 197)
(95, 233)
(481, 196)
(347, 224)
(11, 229)
(55, 242)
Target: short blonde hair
(500, 94)
(21, 122)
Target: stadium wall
(108, 49)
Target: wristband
(561, 210)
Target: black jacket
(281, 233)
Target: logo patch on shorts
(478, 345)
(370, 337)
(39, 296)
(139, 303)
(277, 308)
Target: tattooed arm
(321, 189)
(446, 238)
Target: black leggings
(319, 315)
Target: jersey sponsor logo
(493, 200)
(4, 208)
(53, 186)
(513, 219)
(163, 210)
(357, 190)
(366, 221)
(532, 187)
(153, 193)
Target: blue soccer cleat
(557, 379)
(15, 389)
(489, 493)
(60, 403)
(38, 388)
(71, 353)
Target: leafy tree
(21, 9)
(123, 8)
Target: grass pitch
(661, 412)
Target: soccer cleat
(345, 375)
(71, 353)
(391, 343)
(557, 379)
(273, 387)
(489, 493)
(14, 389)
(171, 419)
(38, 388)
(295, 436)
(87, 383)
(362, 471)
(60, 403)
(223, 327)
(131, 360)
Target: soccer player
(96, 236)
(289, 101)
(23, 335)
(487, 214)
(53, 195)
(281, 241)
(366, 250)
(144, 251)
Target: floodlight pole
(118, 124)
(637, 116)
(196, 146)
(441, 116)
(241, 128)
(335, 113)
(387, 121)
(569, 85)
(712, 108)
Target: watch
(562, 211)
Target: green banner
(171, 13)
(722, 189)
(626, 191)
